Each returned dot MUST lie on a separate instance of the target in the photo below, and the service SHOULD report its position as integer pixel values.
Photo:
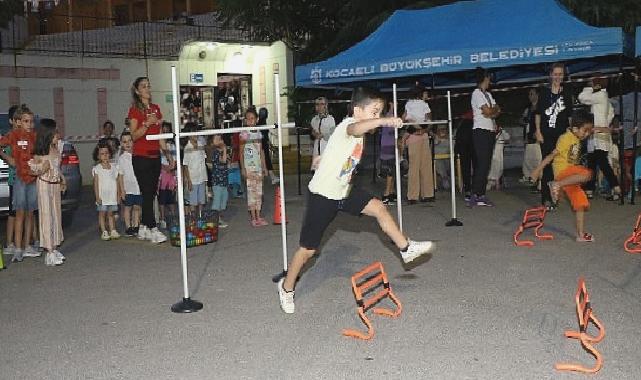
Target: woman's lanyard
(320, 131)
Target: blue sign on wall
(196, 77)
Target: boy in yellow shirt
(569, 175)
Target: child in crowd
(22, 139)
(106, 182)
(495, 176)
(11, 175)
(420, 180)
(45, 164)
(130, 191)
(234, 177)
(569, 175)
(252, 164)
(167, 182)
(195, 172)
(388, 158)
(219, 178)
(442, 157)
(330, 191)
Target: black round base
(187, 305)
(454, 223)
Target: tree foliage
(8, 9)
(318, 29)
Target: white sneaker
(114, 235)
(30, 252)
(105, 236)
(286, 298)
(8, 250)
(17, 256)
(52, 260)
(222, 223)
(275, 180)
(156, 236)
(416, 249)
(162, 224)
(143, 232)
(59, 255)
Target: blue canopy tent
(464, 35)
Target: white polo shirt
(480, 99)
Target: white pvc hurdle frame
(454, 221)
(187, 305)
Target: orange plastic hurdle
(585, 315)
(633, 244)
(364, 282)
(533, 218)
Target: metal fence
(96, 37)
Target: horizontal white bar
(207, 132)
(433, 122)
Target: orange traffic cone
(277, 216)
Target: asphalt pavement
(478, 308)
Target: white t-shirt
(338, 161)
(416, 109)
(107, 184)
(480, 99)
(195, 161)
(127, 171)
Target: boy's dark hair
(480, 74)
(189, 127)
(124, 133)
(166, 124)
(363, 96)
(44, 136)
(252, 109)
(12, 111)
(581, 117)
(102, 143)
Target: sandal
(554, 191)
(586, 238)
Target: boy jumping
(330, 191)
(569, 175)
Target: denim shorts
(221, 194)
(198, 195)
(133, 200)
(25, 196)
(107, 208)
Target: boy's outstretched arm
(359, 128)
(536, 173)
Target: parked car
(69, 165)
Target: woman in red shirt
(145, 119)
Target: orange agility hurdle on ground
(633, 244)
(533, 218)
(585, 315)
(365, 282)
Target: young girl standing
(130, 191)
(45, 164)
(167, 181)
(252, 164)
(106, 178)
(195, 173)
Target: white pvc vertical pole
(452, 174)
(179, 179)
(283, 217)
(399, 206)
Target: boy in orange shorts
(569, 175)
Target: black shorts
(166, 197)
(321, 211)
(388, 168)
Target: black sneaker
(428, 199)
(129, 232)
(386, 200)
